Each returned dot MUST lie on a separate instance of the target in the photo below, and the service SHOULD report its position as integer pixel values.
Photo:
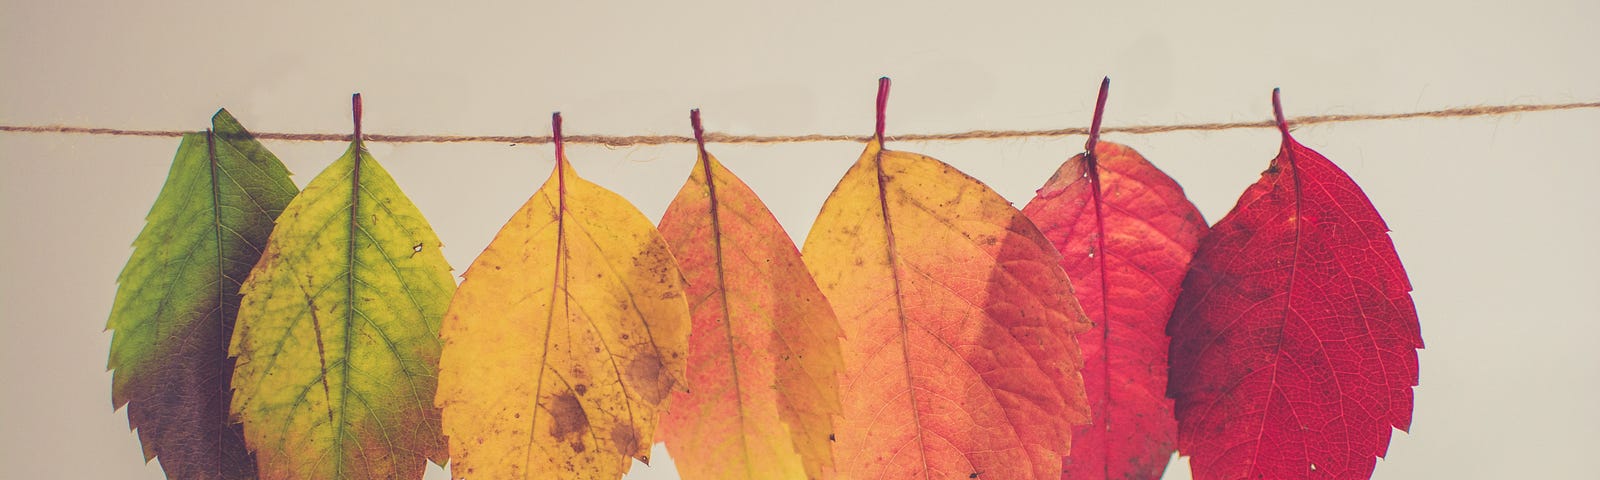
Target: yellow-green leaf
(337, 340)
(179, 295)
(567, 335)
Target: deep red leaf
(1126, 234)
(1294, 341)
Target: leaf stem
(555, 138)
(699, 131)
(883, 104)
(1103, 322)
(1277, 111)
(1099, 112)
(355, 112)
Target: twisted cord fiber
(637, 140)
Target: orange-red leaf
(959, 326)
(1294, 341)
(764, 349)
(1126, 233)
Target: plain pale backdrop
(1497, 219)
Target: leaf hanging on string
(958, 322)
(1126, 233)
(568, 334)
(764, 352)
(337, 341)
(179, 296)
(1294, 341)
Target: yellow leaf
(567, 335)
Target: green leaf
(338, 338)
(179, 294)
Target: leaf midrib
(892, 255)
(350, 303)
(216, 222)
(727, 317)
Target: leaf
(1294, 341)
(1126, 248)
(958, 325)
(179, 296)
(337, 342)
(764, 349)
(1126, 233)
(567, 335)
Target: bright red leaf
(1294, 341)
(1126, 234)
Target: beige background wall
(1497, 219)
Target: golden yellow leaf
(565, 338)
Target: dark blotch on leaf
(647, 377)
(625, 438)
(570, 420)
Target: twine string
(712, 137)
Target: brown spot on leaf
(570, 419)
(581, 388)
(647, 377)
(625, 438)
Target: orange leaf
(959, 325)
(764, 351)
(564, 340)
